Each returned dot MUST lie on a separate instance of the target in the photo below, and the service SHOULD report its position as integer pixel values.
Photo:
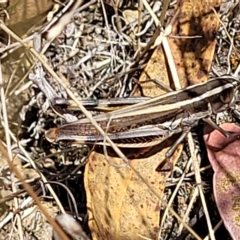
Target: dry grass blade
(199, 184)
(33, 195)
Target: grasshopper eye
(227, 96)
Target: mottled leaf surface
(224, 156)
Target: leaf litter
(103, 67)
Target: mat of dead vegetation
(111, 49)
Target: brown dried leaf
(235, 59)
(120, 205)
(155, 69)
(193, 56)
(224, 155)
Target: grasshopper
(150, 122)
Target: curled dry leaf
(224, 155)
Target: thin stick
(195, 194)
(171, 63)
(215, 229)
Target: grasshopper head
(234, 96)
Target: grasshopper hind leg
(215, 126)
(186, 130)
(172, 149)
(167, 165)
